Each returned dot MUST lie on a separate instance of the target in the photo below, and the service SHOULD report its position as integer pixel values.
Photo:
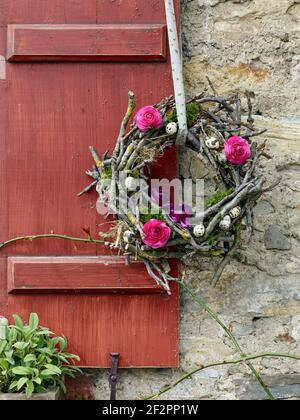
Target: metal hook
(113, 377)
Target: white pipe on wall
(177, 69)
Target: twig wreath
(217, 131)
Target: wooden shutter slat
(115, 42)
(102, 274)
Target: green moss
(212, 237)
(135, 173)
(193, 111)
(217, 197)
(147, 217)
(217, 253)
(236, 227)
(107, 173)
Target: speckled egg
(225, 223)
(171, 128)
(212, 143)
(132, 184)
(199, 230)
(235, 212)
(128, 237)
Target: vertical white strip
(176, 61)
(2, 68)
(3, 328)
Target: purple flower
(180, 214)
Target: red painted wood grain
(121, 42)
(49, 114)
(100, 274)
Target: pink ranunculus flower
(156, 234)
(237, 150)
(148, 117)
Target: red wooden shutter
(69, 67)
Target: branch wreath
(153, 232)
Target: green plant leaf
(62, 385)
(27, 331)
(36, 371)
(61, 341)
(38, 381)
(60, 357)
(70, 373)
(45, 350)
(13, 334)
(18, 322)
(20, 345)
(22, 370)
(3, 344)
(33, 321)
(29, 358)
(47, 372)
(72, 356)
(29, 389)
(4, 364)
(21, 382)
(41, 358)
(9, 358)
(53, 369)
(9, 353)
(13, 385)
(44, 332)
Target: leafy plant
(32, 359)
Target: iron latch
(113, 377)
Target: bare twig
(119, 149)
(88, 188)
(190, 374)
(226, 261)
(49, 236)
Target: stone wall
(245, 44)
(253, 45)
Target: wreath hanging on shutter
(146, 227)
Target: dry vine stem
(135, 151)
(190, 374)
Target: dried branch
(88, 188)
(119, 149)
(226, 260)
(190, 374)
(51, 236)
